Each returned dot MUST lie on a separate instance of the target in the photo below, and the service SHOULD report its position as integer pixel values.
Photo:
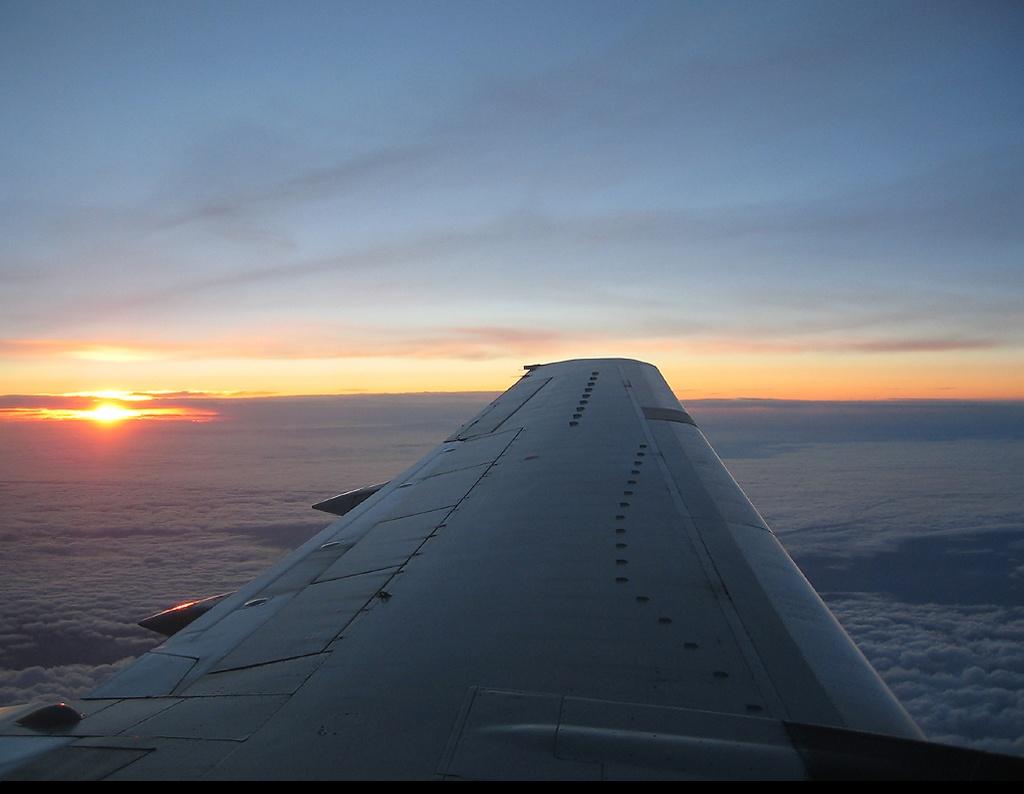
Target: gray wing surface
(570, 586)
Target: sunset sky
(785, 200)
(265, 227)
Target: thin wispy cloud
(826, 179)
(478, 343)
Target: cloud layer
(959, 671)
(917, 543)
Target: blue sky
(237, 195)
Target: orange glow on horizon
(104, 414)
(695, 369)
(315, 360)
(113, 354)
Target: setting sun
(107, 413)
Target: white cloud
(959, 670)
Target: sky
(809, 200)
(808, 215)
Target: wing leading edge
(571, 585)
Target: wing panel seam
(744, 642)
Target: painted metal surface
(572, 585)
(343, 502)
(170, 621)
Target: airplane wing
(570, 586)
